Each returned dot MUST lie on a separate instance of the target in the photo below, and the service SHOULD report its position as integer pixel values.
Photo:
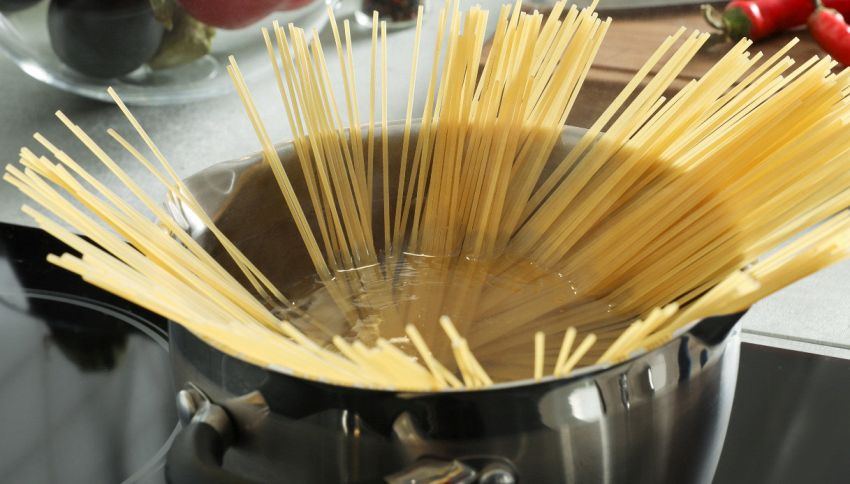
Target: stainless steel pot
(660, 417)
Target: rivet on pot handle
(198, 450)
(497, 473)
(480, 470)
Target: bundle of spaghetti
(639, 232)
(469, 124)
(687, 185)
(157, 271)
(488, 258)
(815, 250)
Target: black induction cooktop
(86, 393)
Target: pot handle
(198, 450)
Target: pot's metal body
(660, 417)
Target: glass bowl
(24, 37)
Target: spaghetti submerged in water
(659, 216)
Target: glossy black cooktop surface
(85, 386)
(86, 393)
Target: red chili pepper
(757, 19)
(831, 32)
(234, 14)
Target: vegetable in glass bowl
(230, 14)
(103, 39)
(152, 51)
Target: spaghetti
(660, 214)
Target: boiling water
(497, 305)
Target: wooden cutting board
(633, 37)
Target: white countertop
(810, 315)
